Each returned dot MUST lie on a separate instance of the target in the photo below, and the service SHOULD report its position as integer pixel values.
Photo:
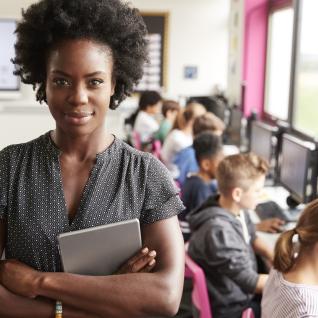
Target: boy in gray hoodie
(223, 240)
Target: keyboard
(270, 209)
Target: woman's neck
(305, 271)
(82, 147)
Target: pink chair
(200, 298)
(136, 140)
(248, 313)
(156, 148)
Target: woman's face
(79, 85)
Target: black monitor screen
(261, 141)
(294, 166)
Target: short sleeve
(162, 199)
(233, 261)
(4, 182)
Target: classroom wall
(198, 35)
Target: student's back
(286, 299)
(223, 240)
(292, 288)
(229, 262)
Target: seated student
(223, 239)
(145, 124)
(199, 186)
(169, 110)
(181, 136)
(185, 159)
(292, 287)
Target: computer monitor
(263, 140)
(298, 171)
(9, 83)
(235, 126)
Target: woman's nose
(78, 95)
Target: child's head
(299, 242)
(208, 152)
(187, 116)
(150, 101)
(241, 179)
(208, 122)
(170, 109)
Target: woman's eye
(61, 82)
(95, 82)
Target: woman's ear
(237, 194)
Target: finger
(127, 267)
(143, 261)
(142, 253)
(138, 255)
(149, 267)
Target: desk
(279, 195)
(271, 238)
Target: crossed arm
(133, 295)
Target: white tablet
(99, 250)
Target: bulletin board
(155, 71)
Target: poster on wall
(8, 81)
(151, 79)
(154, 77)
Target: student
(292, 287)
(223, 240)
(199, 186)
(83, 57)
(185, 159)
(181, 136)
(170, 110)
(145, 124)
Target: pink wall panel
(254, 57)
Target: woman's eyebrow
(86, 75)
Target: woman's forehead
(80, 53)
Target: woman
(292, 287)
(83, 57)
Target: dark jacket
(217, 244)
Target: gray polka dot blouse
(123, 184)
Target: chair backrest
(136, 140)
(200, 298)
(248, 313)
(156, 148)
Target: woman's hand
(143, 262)
(19, 278)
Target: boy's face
(250, 198)
(209, 165)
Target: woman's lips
(78, 117)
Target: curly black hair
(111, 22)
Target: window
(279, 52)
(305, 110)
